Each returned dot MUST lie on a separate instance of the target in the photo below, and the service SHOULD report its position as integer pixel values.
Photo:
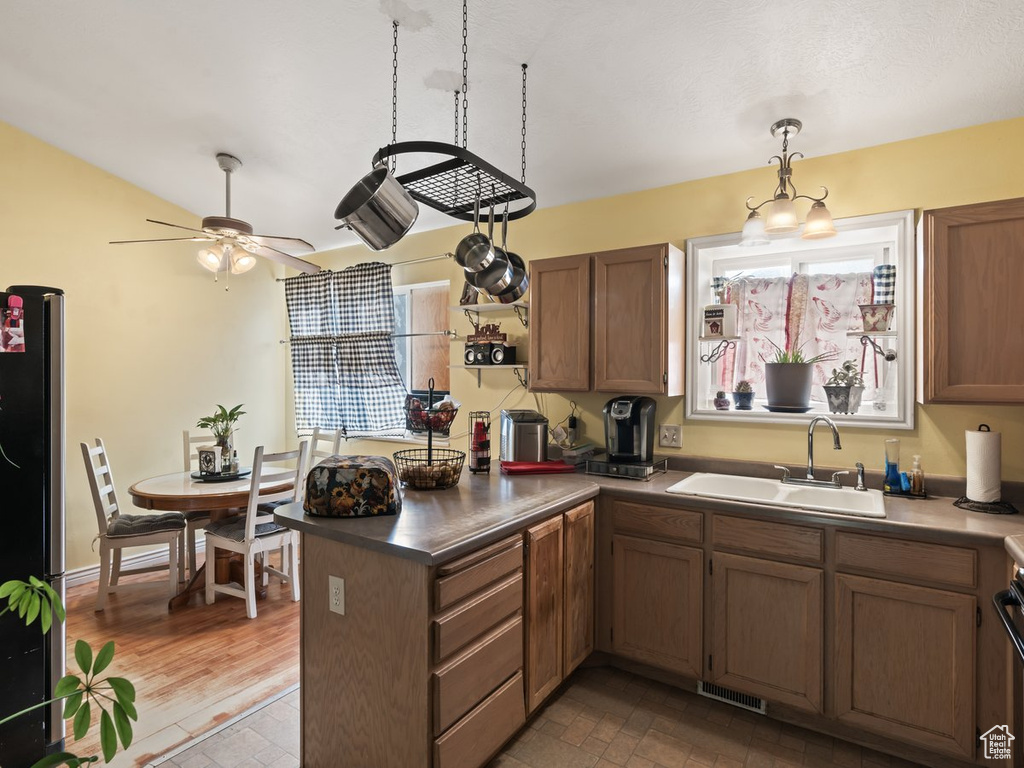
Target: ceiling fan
(234, 246)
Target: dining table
(214, 496)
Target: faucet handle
(835, 477)
(860, 478)
(785, 472)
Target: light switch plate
(336, 594)
(670, 436)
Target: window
(793, 292)
(421, 348)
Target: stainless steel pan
(475, 251)
(520, 280)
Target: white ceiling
(622, 95)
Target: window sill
(866, 418)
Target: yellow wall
(152, 342)
(965, 166)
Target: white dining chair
(194, 519)
(118, 531)
(328, 437)
(255, 534)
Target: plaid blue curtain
(343, 352)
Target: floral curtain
(815, 313)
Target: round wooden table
(178, 492)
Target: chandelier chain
(394, 92)
(523, 179)
(465, 73)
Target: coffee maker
(629, 429)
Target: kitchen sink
(758, 490)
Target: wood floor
(193, 668)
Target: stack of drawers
(477, 655)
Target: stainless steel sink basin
(758, 490)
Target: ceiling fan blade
(165, 240)
(275, 241)
(287, 259)
(178, 226)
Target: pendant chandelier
(780, 214)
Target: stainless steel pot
(520, 279)
(475, 251)
(378, 209)
(494, 278)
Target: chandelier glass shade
(780, 215)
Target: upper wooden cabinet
(973, 286)
(560, 324)
(608, 322)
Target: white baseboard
(91, 573)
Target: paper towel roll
(984, 464)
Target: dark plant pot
(722, 403)
(788, 384)
(844, 399)
(744, 400)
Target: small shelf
(521, 308)
(521, 370)
(708, 339)
(877, 334)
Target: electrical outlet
(336, 594)
(670, 436)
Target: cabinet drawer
(464, 623)
(466, 680)
(767, 538)
(477, 736)
(663, 523)
(937, 563)
(461, 578)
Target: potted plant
(82, 694)
(787, 377)
(743, 395)
(845, 388)
(721, 401)
(222, 424)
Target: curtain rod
(447, 332)
(403, 263)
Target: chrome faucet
(810, 480)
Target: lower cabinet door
(579, 585)
(767, 629)
(656, 603)
(543, 607)
(904, 663)
(474, 740)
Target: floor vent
(720, 693)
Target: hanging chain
(394, 93)
(456, 142)
(524, 124)
(465, 73)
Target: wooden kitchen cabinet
(560, 324)
(767, 637)
(905, 663)
(608, 322)
(971, 304)
(578, 614)
(656, 603)
(544, 604)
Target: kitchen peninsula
(456, 619)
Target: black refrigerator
(31, 512)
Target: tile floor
(603, 718)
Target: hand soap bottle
(917, 478)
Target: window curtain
(813, 312)
(343, 354)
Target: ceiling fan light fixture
(241, 261)
(211, 258)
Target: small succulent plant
(846, 375)
(743, 386)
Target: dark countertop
(437, 526)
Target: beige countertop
(436, 526)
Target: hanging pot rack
(454, 184)
(450, 185)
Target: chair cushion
(234, 528)
(353, 486)
(137, 525)
(270, 506)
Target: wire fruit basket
(429, 469)
(420, 419)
